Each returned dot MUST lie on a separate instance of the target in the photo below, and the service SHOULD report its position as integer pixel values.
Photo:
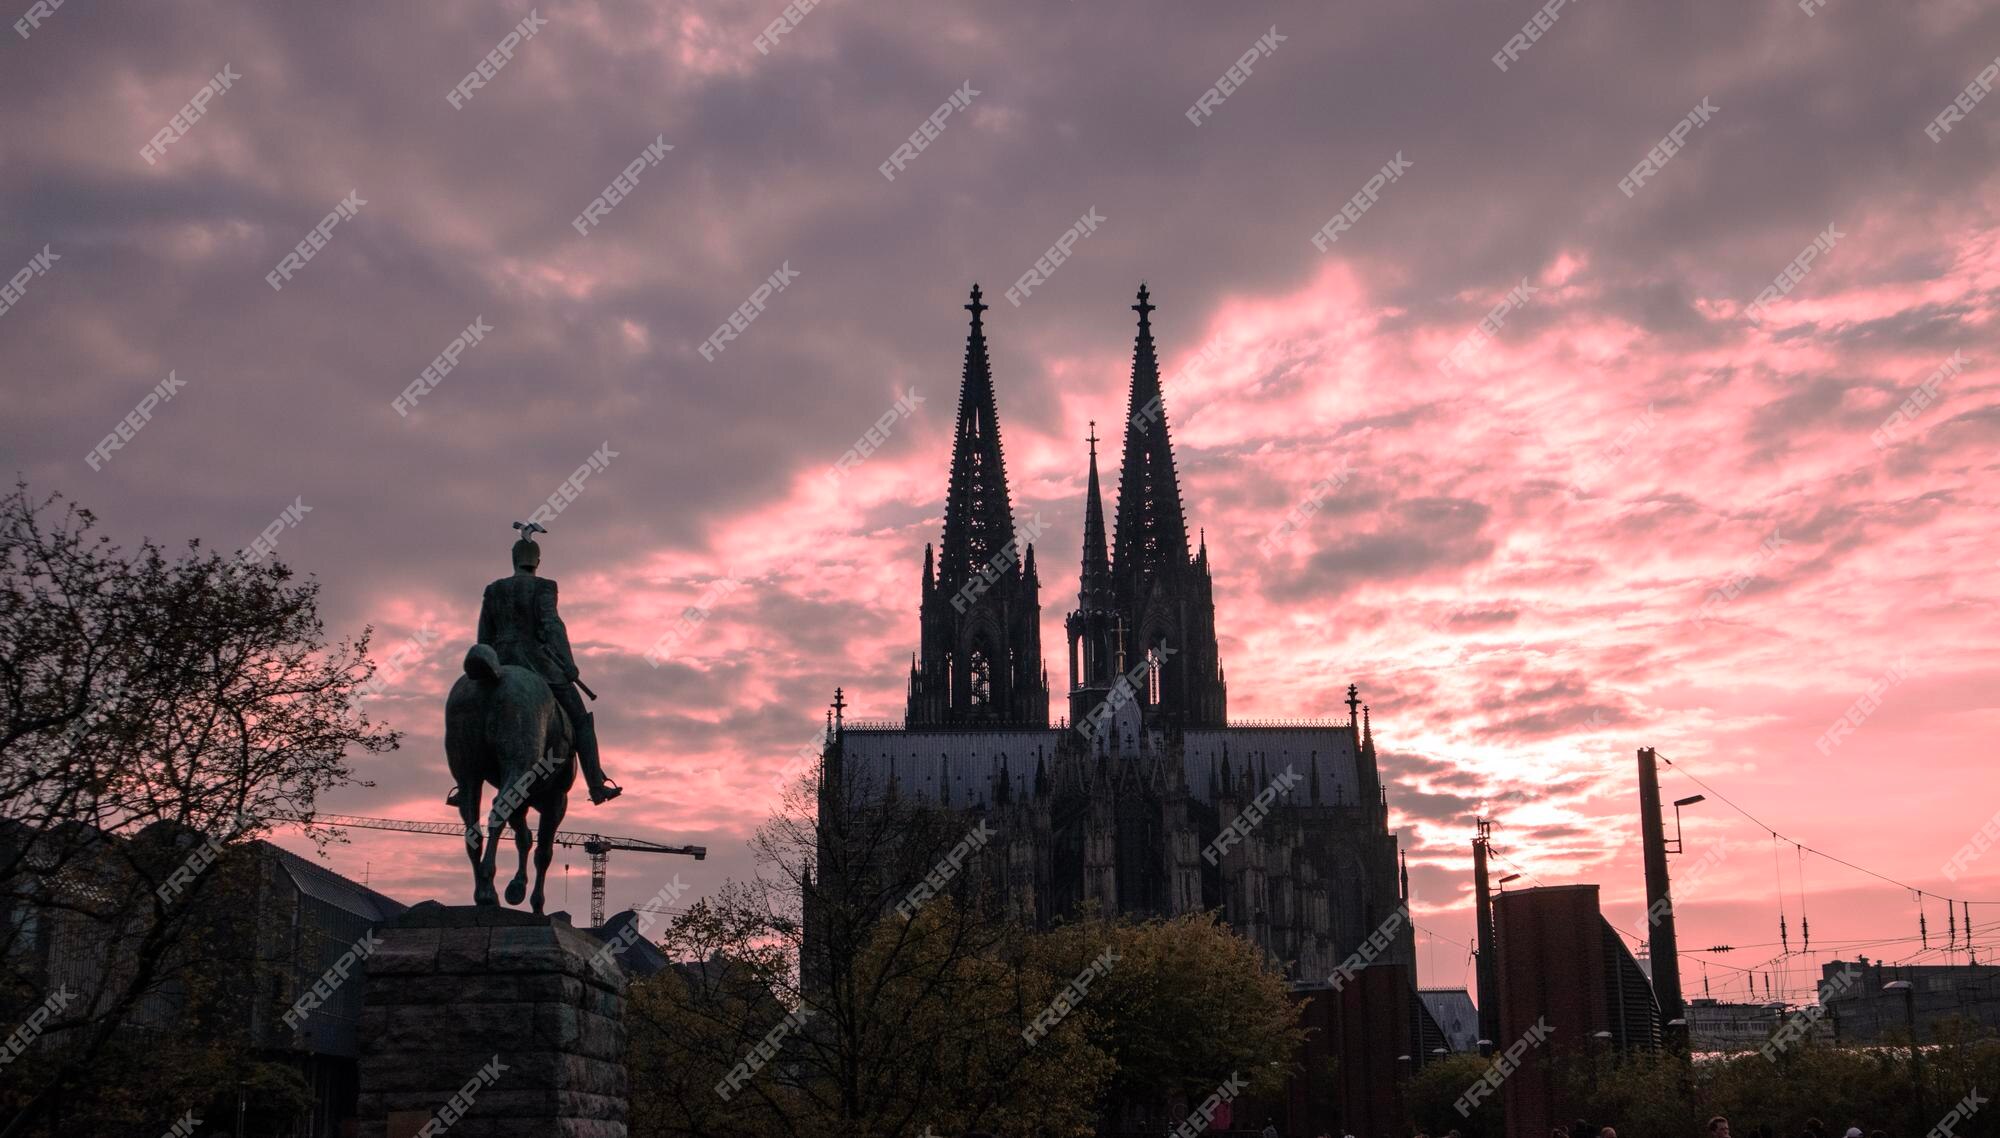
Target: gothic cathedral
(1125, 803)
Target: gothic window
(1153, 662)
(979, 674)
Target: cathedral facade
(1143, 799)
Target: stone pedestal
(495, 1023)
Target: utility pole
(1482, 904)
(1662, 946)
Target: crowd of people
(1718, 1127)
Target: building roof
(640, 956)
(1455, 1015)
(323, 884)
(959, 767)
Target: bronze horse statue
(502, 726)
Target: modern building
(1715, 1026)
(1867, 1001)
(1569, 991)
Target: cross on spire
(1145, 306)
(977, 306)
(1092, 438)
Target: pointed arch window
(979, 677)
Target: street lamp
(1506, 879)
(1690, 800)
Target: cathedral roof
(963, 765)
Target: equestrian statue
(514, 721)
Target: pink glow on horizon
(1518, 623)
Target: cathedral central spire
(1096, 579)
(1092, 627)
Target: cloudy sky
(1640, 508)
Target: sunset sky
(1640, 512)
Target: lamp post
(1662, 944)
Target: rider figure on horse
(518, 619)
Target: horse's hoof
(484, 898)
(515, 891)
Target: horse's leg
(518, 887)
(482, 868)
(551, 810)
(495, 824)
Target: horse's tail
(482, 663)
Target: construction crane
(598, 846)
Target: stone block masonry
(491, 1023)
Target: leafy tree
(916, 1012)
(154, 709)
(1657, 1095)
(1187, 1005)
(912, 1022)
(1434, 1091)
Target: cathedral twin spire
(980, 660)
(1152, 530)
(978, 511)
(980, 654)
(1163, 600)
